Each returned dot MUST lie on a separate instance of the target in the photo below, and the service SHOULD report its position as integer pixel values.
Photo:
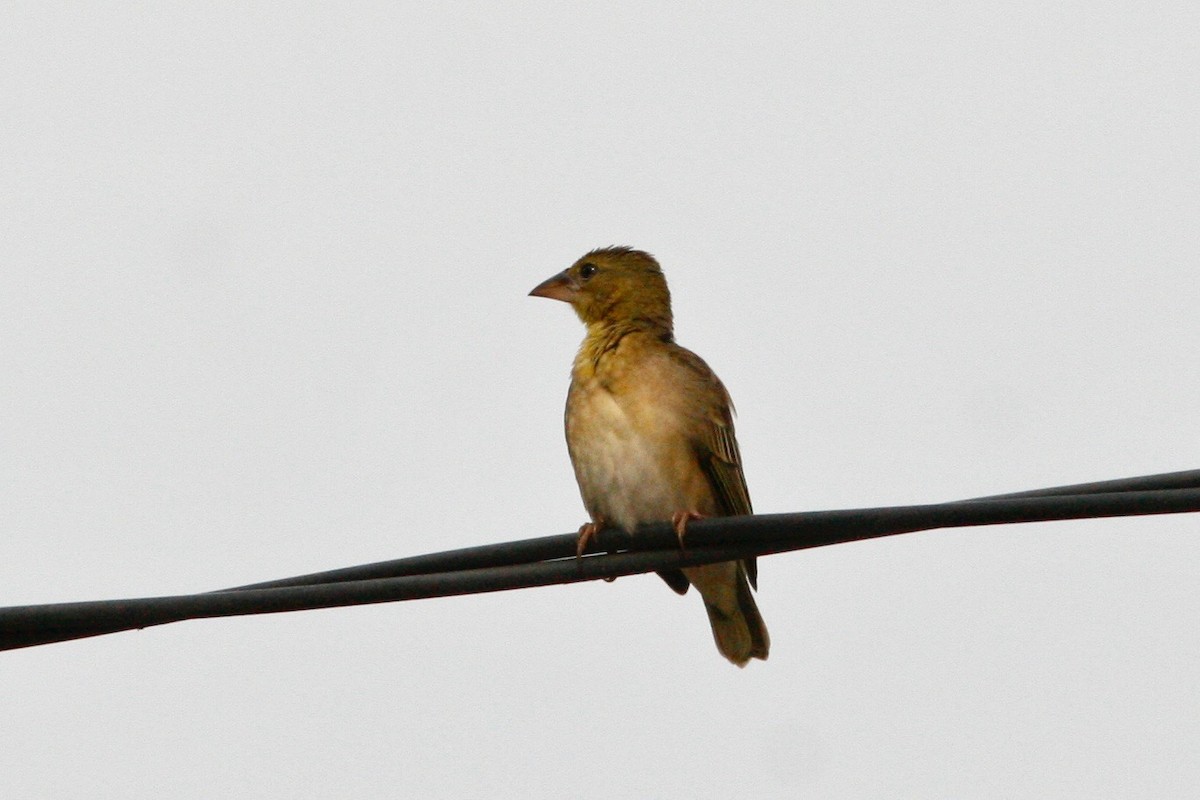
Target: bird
(650, 434)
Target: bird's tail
(737, 627)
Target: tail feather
(737, 625)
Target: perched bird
(650, 430)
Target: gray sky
(263, 312)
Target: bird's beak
(560, 287)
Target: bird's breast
(633, 460)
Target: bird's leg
(587, 532)
(679, 521)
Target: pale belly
(627, 474)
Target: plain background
(263, 312)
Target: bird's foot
(587, 532)
(679, 521)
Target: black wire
(563, 546)
(1189, 479)
(550, 560)
(524, 551)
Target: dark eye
(587, 270)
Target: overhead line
(551, 559)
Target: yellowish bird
(650, 431)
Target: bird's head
(613, 285)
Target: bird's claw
(587, 532)
(679, 521)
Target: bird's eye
(587, 270)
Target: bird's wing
(723, 464)
(716, 446)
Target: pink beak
(560, 287)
